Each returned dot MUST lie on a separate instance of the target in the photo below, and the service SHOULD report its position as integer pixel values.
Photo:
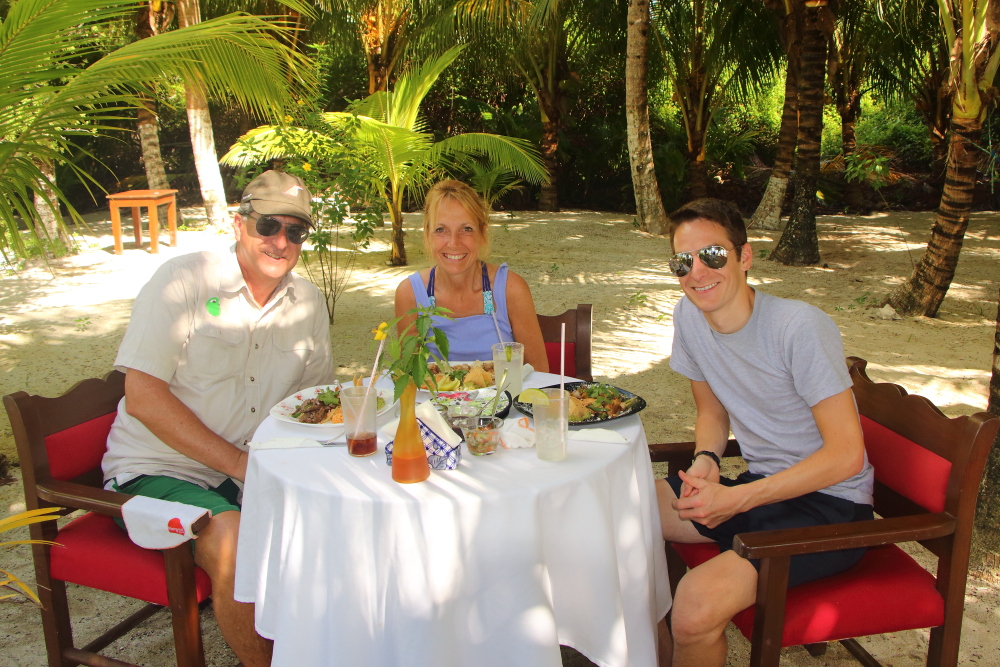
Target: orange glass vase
(409, 460)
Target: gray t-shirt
(768, 375)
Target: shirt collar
(231, 279)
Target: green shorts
(219, 499)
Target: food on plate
(326, 408)
(477, 375)
(596, 400)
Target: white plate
(284, 410)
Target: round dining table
(495, 563)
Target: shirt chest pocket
(215, 351)
(292, 351)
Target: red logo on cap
(174, 526)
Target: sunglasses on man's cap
(296, 232)
(712, 256)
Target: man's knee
(710, 595)
(215, 547)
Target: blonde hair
(470, 201)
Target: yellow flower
(307, 167)
(380, 333)
(300, 102)
(288, 119)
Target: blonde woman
(488, 302)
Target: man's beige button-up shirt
(196, 326)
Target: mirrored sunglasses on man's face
(712, 256)
(296, 232)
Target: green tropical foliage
(398, 146)
(57, 88)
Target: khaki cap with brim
(278, 193)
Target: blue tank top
(471, 338)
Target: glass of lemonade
(509, 356)
(552, 425)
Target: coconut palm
(648, 203)
(398, 146)
(714, 52)
(972, 33)
(49, 94)
(768, 213)
(799, 244)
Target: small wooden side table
(151, 199)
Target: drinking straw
(371, 383)
(562, 369)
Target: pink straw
(562, 369)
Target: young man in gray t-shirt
(773, 371)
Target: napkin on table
(159, 524)
(432, 419)
(284, 443)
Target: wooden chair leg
(769, 611)
(137, 226)
(860, 654)
(172, 222)
(817, 650)
(184, 606)
(116, 227)
(154, 227)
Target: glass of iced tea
(359, 420)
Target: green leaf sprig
(409, 354)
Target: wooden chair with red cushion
(579, 323)
(60, 442)
(927, 473)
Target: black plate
(637, 406)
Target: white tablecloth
(496, 563)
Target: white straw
(371, 383)
(562, 371)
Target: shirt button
(256, 345)
(253, 409)
(251, 379)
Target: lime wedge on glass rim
(533, 396)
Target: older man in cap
(214, 341)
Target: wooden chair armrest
(680, 453)
(81, 497)
(78, 496)
(815, 539)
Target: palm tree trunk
(648, 203)
(397, 256)
(768, 213)
(206, 160)
(697, 170)
(986, 540)
(924, 291)
(548, 199)
(50, 225)
(799, 245)
(849, 112)
(149, 139)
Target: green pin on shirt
(212, 306)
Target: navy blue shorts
(812, 509)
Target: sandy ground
(59, 326)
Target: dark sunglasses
(713, 256)
(268, 226)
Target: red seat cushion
(924, 478)
(552, 353)
(886, 591)
(96, 553)
(79, 448)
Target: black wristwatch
(711, 455)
